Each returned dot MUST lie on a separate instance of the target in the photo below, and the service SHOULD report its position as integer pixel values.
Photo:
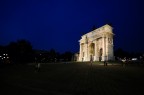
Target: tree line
(120, 53)
(21, 52)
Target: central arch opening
(100, 54)
(92, 50)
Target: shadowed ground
(72, 79)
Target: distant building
(97, 45)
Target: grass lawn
(72, 79)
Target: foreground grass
(72, 79)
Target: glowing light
(134, 59)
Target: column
(96, 51)
(86, 52)
(106, 41)
(80, 53)
(112, 53)
(104, 49)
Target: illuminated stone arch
(97, 44)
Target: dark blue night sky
(59, 24)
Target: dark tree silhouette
(52, 55)
(121, 53)
(2, 51)
(20, 51)
(67, 56)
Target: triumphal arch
(97, 45)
